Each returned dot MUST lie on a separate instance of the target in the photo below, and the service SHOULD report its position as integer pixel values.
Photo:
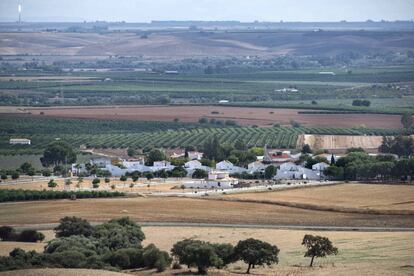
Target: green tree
(199, 174)
(131, 152)
(197, 253)
(306, 149)
(407, 120)
(318, 247)
(73, 226)
(26, 167)
(334, 172)
(270, 172)
(179, 172)
(155, 155)
(58, 153)
(15, 175)
(255, 252)
(52, 184)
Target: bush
(71, 226)
(7, 233)
(15, 175)
(30, 236)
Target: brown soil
(188, 210)
(243, 115)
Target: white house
(78, 169)
(291, 171)
(193, 165)
(215, 180)
(229, 167)
(195, 155)
(256, 167)
(115, 170)
(101, 162)
(320, 167)
(20, 141)
(162, 165)
(136, 165)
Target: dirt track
(243, 115)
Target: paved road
(50, 226)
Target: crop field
(167, 209)
(93, 133)
(242, 115)
(352, 196)
(359, 253)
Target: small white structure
(320, 167)
(229, 167)
(162, 165)
(223, 101)
(215, 180)
(101, 162)
(291, 171)
(20, 141)
(256, 167)
(78, 169)
(287, 90)
(193, 165)
(327, 73)
(195, 155)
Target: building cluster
(219, 176)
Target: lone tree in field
(255, 252)
(318, 247)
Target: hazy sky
(243, 10)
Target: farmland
(93, 133)
(382, 197)
(360, 253)
(170, 209)
(242, 115)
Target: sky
(242, 10)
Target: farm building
(291, 171)
(279, 157)
(256, 167)
(101, 162)
(20, 141)
(227, 166)
(195, 155)
(215, 180)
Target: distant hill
(206, 43)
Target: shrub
(71, 226)
(15, 175)
(6, 233)
(31, 236)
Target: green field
(138, 134)
(386, 87)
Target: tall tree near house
(58, 153)
(318, 247)
(270, 172)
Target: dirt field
(357, 196)
(243, 115)
(341, 142)
(153, 209)
(377, 253)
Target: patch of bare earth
(243, 115)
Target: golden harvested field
(243, 115)
(340, 142)
(378, 253)
(168, 209)
(357, 196)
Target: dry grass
(359, 196)
(341, 142)
(142, 186)
(155, 209)
(379, 253)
